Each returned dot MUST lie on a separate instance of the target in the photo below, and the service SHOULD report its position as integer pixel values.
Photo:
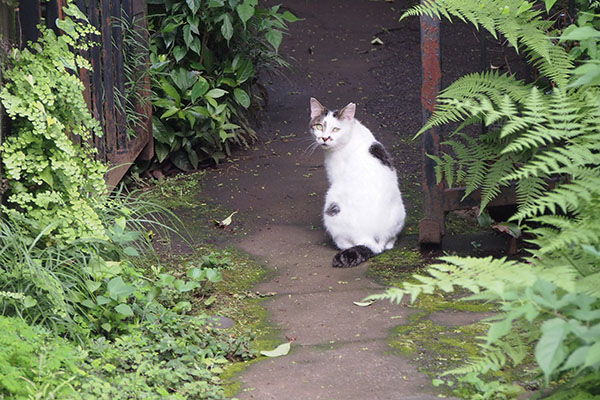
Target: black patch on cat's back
(379, 152)
(333, 210)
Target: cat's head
(331, 129)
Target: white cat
(363, 209)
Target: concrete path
(340, 350)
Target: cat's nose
(325, 139)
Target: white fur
(366, 191)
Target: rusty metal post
(431, 227)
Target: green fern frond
(523, 28)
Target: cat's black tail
(352, 256)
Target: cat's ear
(347, 112)
(316, 108)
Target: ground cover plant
(87, 308)
(205, 56)
(543, 138)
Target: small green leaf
(101, 300)
(241, 97)
(196, 274)
(550, 350)
(281, 350)
(170, 91)
(117, 288)
(124, 309)
(274, 37)
(179, 52)
(215, 93)
(227, 27)
(92, 286)
(29, 302)
(210, 300)
(245, 11)
(213, 275)
(549, 4)
(131, 251)
(106, 326)
(289, 17)
(199, 88)
(592, 359)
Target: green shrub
(204, 57)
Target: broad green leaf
(210, 300)
(281, 350)
(244, 70)
(131, 251)
(117, 288)
(183, 286)
(196, 274)
(213, 275)
(29, 302)
(193, 157)
(242, 97)
(199, 88)
(106, 326)
(579, 33)
(227, 27)
(188, 36)
(170, 91)
(88, 303)
(181, 160)
(194, 5)
(245, 11)
(499, 329)
(289, 17)
(92, 286)
(215, 93)
(184, 78)
(170, 27)
(550, 350)
(576, 359)
(216, 3)
(549, 4)
(274, 37)
(47, 177)
(101, 300)
(179, 52)
(166, 279)
(160, 132)
(170, 112)
(161, 151)
(124, 309)
(196, 46)
(592, 359)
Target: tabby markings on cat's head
(331, 128)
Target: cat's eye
(319, 127)
(336, 129)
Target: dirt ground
(340, 351)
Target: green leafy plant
(543, 138)
(51, 180)
(34, 363)
(204, 56)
